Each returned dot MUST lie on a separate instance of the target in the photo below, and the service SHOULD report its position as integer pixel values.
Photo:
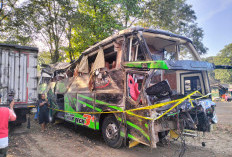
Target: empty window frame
(110, 57)
(134, 52)
(191, 82)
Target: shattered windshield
(163, 48)
(185, 53)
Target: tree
(6, 9)
(48, 24)
(175, 16)
(16, 29)
(224, 57)
(128, 11)
(68, 27)
(71, 14)
(13, 28)
(96, 22)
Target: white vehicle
(18, 78)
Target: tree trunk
(70, 51)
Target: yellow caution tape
(203, 96)
(178, 102)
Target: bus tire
(111, 132)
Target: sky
(215, 18)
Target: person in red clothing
(6, 115)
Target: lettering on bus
(80, 121)
(86, 120)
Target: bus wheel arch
(102, 117)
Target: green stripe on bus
(97, 125)
(138, 128)
(90, 106)
(119, 119)
(146, 125)
(108, 105)
(132, 137)
(101, 102)
(158, 64)
(114, 107)
(85, 97)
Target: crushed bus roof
(132, 30)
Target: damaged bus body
(137, 85)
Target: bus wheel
(111, 132)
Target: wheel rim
(112, 131)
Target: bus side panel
(80, 103)
(108, 102)
(138, 128)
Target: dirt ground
(63, 139)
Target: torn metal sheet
(84, 66)
(99, 61)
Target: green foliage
(96, 22)
(6, 9)
(224, 57)
(13, 25)
(48, 23)
(126, 10)
(68, 27)
(175, 16)
(43, 58)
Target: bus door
(137, 128)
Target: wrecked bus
(137, 85)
